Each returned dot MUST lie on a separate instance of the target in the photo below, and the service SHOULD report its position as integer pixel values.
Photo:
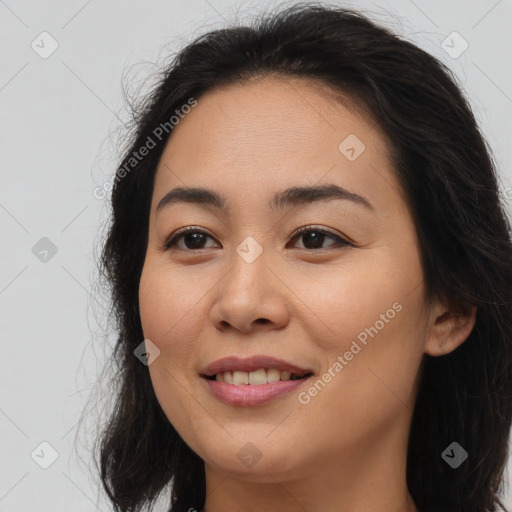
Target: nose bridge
(247, 277)
(248, 293)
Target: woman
(311, 272)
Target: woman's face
(343, 300)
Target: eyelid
(340, 239)
(320, 229)
(182, 231)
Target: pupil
(196, 240)
(314, 237)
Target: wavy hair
(448, 177)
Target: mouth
(256, 387)
(256, 377)
(253, 371)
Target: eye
(194, 237)
(313, 235)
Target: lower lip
(252, 395)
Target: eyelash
(340, 242)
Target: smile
(242, 392)
(257, 377)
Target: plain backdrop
(61, 106)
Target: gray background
(59, 120)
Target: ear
(449, 326)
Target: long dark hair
(451, 185)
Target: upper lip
(249, 364)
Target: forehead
(273, 133)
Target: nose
(250, 297)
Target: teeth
(254, 378)
(273, 375)
(240, 378)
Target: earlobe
(448, 329)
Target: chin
(257, 462)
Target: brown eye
(193, 238)
(313, 238)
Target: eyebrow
(293, 196)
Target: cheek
(167, 303)
(360, 396)
(365, 295)
(168, 307)
(373, 317)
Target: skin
(345, 450)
